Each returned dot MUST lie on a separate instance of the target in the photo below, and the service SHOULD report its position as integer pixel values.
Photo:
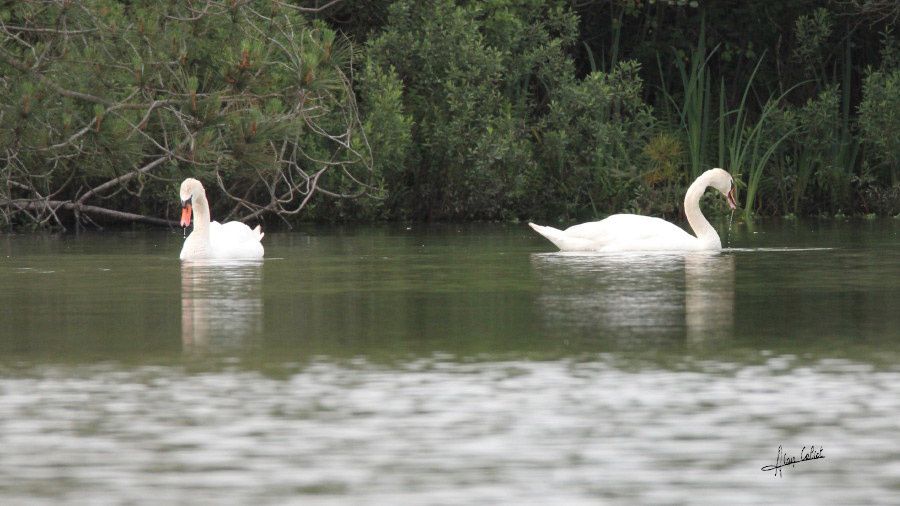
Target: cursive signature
(806, 453)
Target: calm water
(451, 365)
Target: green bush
(808, 166)
(879, 119)
(591, 150)
(501, 126)
(466, 137)
(388, 131)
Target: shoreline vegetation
(446, 110)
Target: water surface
(451, 364)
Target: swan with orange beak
(211, 239)
(630, 232)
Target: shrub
(592, 147)
(879, 119)
(475, 78)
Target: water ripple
(438, 431)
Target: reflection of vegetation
(481, 109)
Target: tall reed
(739, 133)
(741, 138)
(694, 109)
(844, 152)
(608, 58)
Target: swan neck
(201, 214)
(699, 224)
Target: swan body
(631, 232)
(214, 240)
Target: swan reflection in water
(221, 304)
(708, 297)
(632, 298)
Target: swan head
(722, 181)
(189, 188)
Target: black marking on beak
(186, 202)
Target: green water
(451, 364)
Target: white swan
(630, 232)
(214, 240)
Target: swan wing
(562, 240)
(622, 232)
(631, 232)
(234, 240)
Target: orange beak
(186, 215)
(731, 202)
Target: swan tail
(560, 239)
(259, 232)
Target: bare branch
(137, 97)
(46, 30)
(53, 205)
(311, 9)
(121, 179)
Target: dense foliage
(467, 109)
(107, 105)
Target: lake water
(451, 365)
